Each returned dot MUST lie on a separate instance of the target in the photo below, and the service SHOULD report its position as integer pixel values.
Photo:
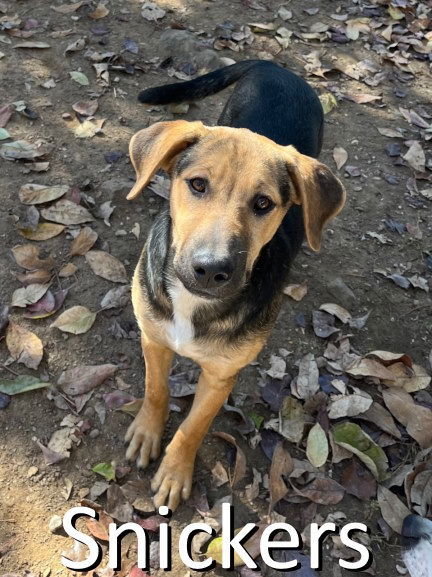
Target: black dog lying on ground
(209, 281)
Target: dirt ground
(400, 319)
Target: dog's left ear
(317, 189)
(155, 147)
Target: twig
(8, 369)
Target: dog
(417, 545)
(209, 282)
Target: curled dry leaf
(337, 311)
(23, 150)
(317, 448)
(86, 107)
(67, 270)
(43, 231)
(83, 242)
(388, 358)
(340, 156)
(240, 464)
(281, 466)
(39, 193)
(34, 277)
(296, 291)
(24, 346)
(392, 508)
(48, 305)
(67, 212)
(277, 368)
(84, 378)
(28, 295)
(27, 256)
(99, 12)
(68, 8)
(351, 437)
(76, 320)
(99, 528)
(106, 266)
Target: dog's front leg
(173, 480)
(145, 433)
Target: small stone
(94, 433)
(32, 472)
(55, 524)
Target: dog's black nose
(210, 274)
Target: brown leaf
(281, 466)
(106, 266)
(240, 464)
(340, 156)
(86, 107)
(83, 242)
(39, 193)
(99, 529)
(370, 368)
(392, 508)
(358, 481)
(337, 311)
(84, 378)
(67, 270)
(27, 256)
(296, 291)
(117, 505)
(43, 231)
(380, 417)
(5, 114)
(361, 98)
(24, 346)
(410, 379)
(100, 12)
(35, 277)
(323, 491)
(67, 212)
(416, 418)
(387, 358)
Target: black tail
(198, 87)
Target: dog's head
(230, 190)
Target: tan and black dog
(209, 281)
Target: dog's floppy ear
(317, 189)
(154, 147)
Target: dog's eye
(262, 205)
(198, 185)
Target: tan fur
(238, 164)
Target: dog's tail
(198, 87)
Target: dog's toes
(172, 483)
(142, 442)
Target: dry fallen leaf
(43, 231)
(151, 11)
(392, 508)
(76, 320)
(296, 291)
(84, 378)
(416, 418)
(340, 156)
(68, 8)
(27, 256)
(317, 448)
(83, 242)
(67, 270)
(370, 368)
(240, 464)
(415, 157)
(99, 12)
(39, 193)
(281, 466)
(106, 266)
(24, 346)
(32, 44)
(28, 295)
(337, 311)
(307, 381)
(349, 405)
(67, 212)
(411, 379)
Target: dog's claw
(143, 441)
(172, 482)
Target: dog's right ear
(154, 148)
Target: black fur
(276, 103)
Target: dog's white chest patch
(180, 330)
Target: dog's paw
(173, 481)
(144, 441)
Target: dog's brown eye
(262, 205)
(198, 185)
